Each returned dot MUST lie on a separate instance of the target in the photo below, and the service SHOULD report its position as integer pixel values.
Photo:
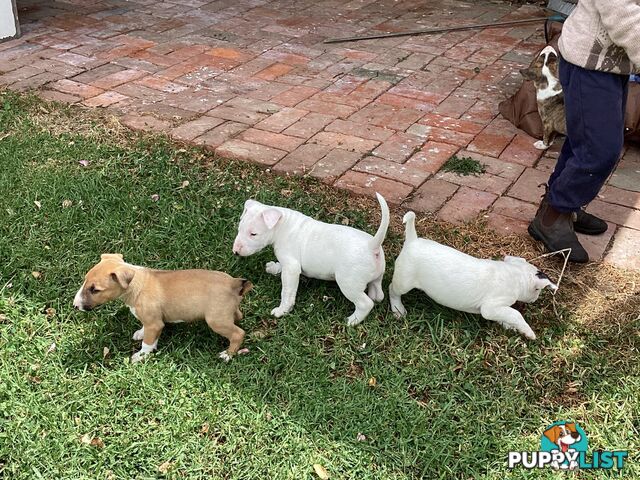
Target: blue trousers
(594, 106)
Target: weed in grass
(452, 393)
(464, 166)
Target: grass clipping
(603, 296)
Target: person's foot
(589, 224)
(556, 231)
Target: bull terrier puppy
(304, 246)
(544, 74)
(157, 297)
(462, 282)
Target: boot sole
(586, 231)
(538, 236)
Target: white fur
(463, 282)
(274, 268)
(304, 246)
(138, 334)
(547, 50)
(540, 145)
(145, 350)
(552, 82)
(224, 356)
(550, 91)
(77, 300)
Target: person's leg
(583, 222)
(564, 74)
(594, 107)
(565, 153)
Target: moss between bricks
(464, 166)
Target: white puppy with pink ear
(304, 246)
(462, 282)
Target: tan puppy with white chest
(157, 297)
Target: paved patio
(252, 80)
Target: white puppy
(304, 246)
(462, 282)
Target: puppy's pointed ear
(247, 205)
(271, 217)
(111, 256)
(123, 276)
(528, 74)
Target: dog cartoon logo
(567, 438)
(563, 446)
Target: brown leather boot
(555, 230)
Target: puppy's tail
(376, 241)
(409, 221)
(245, 286)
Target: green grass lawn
(439, 394)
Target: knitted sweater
(603, 35)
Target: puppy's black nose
(236, 253)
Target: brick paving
(251, 79)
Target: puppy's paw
(540, 145)
(528, 333)
(352, 321)
(138, 334)
(399, 311)
(140, 356)
(279, 312)
(224, 355)
(375, 294)
(274, 268)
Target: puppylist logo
(563, 446)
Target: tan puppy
(157, 297)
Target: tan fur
(163, 296)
